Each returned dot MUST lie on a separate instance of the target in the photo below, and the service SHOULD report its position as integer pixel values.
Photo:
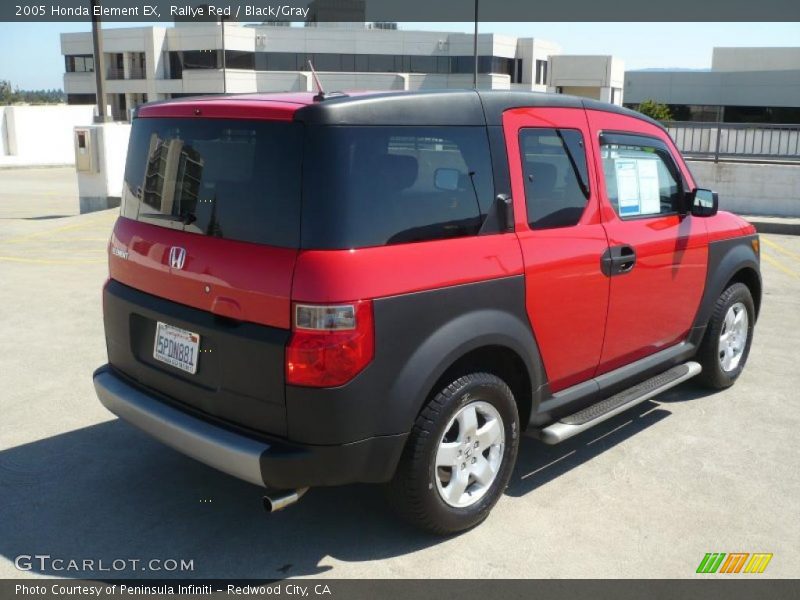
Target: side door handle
(618, 260)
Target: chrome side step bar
(587, 418)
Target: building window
(423, 64)
(761, 114)
(362, 63)
(342, 63)
(79, 63)
(81, 99)
(348, 62)
(541, 72)
(239, 59)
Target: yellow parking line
(779, 265)
(47, 261)
(781, 249)
(25, 238)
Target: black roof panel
(446, 107)
(496, 102)
(442, 107)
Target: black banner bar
(714, 587)
(403, 10)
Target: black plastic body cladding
(417, 337)
(242, 377)
(726, 258)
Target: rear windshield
(372, 186)
(232, 179)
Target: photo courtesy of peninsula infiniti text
(398, 288)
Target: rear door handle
(618, 260)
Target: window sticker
(627, 187)
(637, 186)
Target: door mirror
(446, 179)
(704, 203)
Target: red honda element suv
(393, 287)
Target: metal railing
(747, 141)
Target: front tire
(726, 345)
(459, 457)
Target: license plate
(176, 347)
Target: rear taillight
(330, 344)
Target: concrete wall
(103, 189)
(3, 132)
(598, 77)
(755, 59)
(590, 71)
(43, 134)
(742, 88)
(751, 188)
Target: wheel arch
(501, 361)
(749, 277)
(729, 261)
(487, 340)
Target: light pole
(99, 67)
(224, 63)
(475, 49)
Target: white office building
(155, 63)
(743, 85)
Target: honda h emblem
(177, 256)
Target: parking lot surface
(646, 494)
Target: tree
(9, 95)
(6, 92)
(655, 110)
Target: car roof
(431, 107)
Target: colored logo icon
(735, 562)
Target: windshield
(231, 179)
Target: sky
(30, 52)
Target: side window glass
(555, 174)
(373, 186)
(641, 180)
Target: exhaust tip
(279, 500)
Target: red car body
(534, 304)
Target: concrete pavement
(646, 494)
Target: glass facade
(346, 63)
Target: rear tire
(726, 344)
(459, 457)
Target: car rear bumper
(269, 463)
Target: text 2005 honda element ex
(394, 287)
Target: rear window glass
(232, 179)
(371, 186)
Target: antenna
(320, 92)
